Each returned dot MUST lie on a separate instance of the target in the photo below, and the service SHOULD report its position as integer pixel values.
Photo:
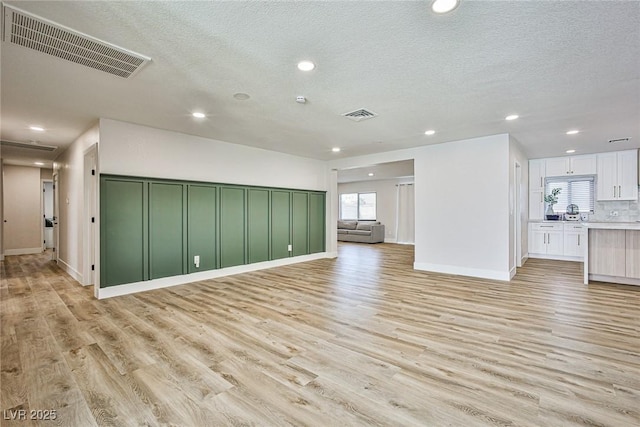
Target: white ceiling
(559, 65)
(390, 170)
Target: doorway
(47, 214)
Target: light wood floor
(360, 340)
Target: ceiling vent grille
(28, 146)
(615, 141)
(31, 31)
(360, 114)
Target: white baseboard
(463, 271)
(390, 240)
(23, 251)
(70, 270)
(512, 273)
(557, 257)
(165, 282)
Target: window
(577, 191)
(358, 206)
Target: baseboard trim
(165, 282)
(512, 273)
(70, 270)
(390, 240)
(23, 251)
(463, 271)
(614, 279)
(557, 257)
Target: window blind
(573, 190)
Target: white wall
(70, 167)
(462, 204)
(129, 149)
(386, 200)
(22, 195)
(1, 207)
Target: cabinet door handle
(548, 238)
(578, 240)
(546, 226)
(619, 191)
(544, 238)
(541, 185)
(614, 191)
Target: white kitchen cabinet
(574, 165)
(574, 240)
(536, 205)
(536, 174)
(618, 175)
(546, 239)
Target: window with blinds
(573, 190)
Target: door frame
(517, 220)
(56, 215)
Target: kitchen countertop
(613, 225)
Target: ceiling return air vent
(360, 114)
(28, 146)
(618, 140)
(24, 29)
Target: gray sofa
(361, 231)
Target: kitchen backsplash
(627, 211)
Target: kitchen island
(612, 253)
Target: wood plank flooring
(359, 340)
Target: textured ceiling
(559, 65)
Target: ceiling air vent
(27, 146)
(24, 29)
(359, 115)
(615, 141)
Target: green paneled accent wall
(201, 227)
(258, 225)
(232, 226)
(166, 252)
(300, 223)
(122, 232)
(280, 223)
(153, 228)
(316, 223)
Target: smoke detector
(301, 99)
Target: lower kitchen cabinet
(559, 240)
(546, 239)
(575, 240)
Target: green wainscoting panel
(316, 222)
(258, 225)
(232, 226)
(300, 223)
(153, 228)
(166, 231)
(122, 232)
(280, 223)
(201, 227)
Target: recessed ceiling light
(38, 163)
(570, 151)
(444, 6)
(198, 115)
(512, 117)
(37, 128)
(572, 132)
(430, 132)
(336, 149)
(306, 65)
(240, 96)
(370, 173)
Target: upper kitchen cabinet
(574, 165)
(618, 175)
(536, 174)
